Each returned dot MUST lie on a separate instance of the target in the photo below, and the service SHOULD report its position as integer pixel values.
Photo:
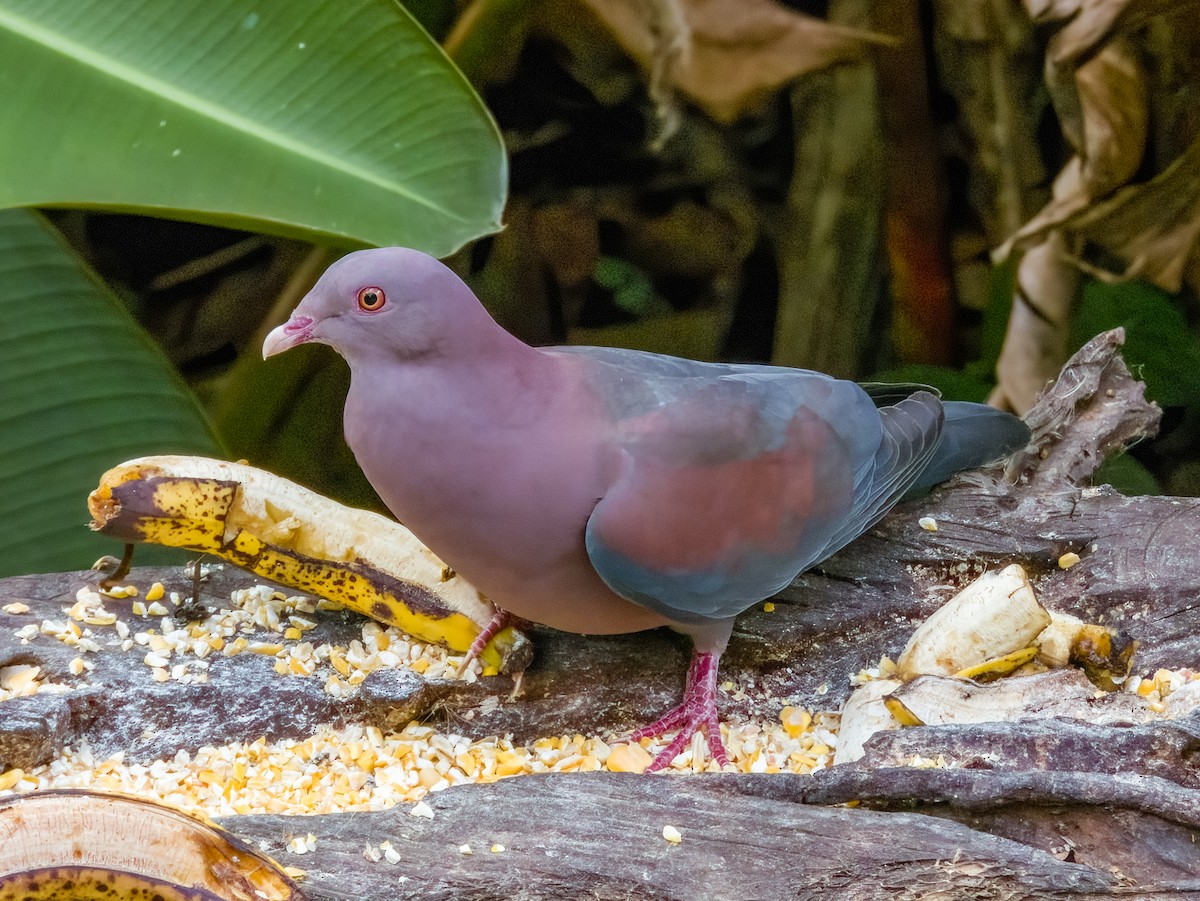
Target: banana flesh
(296, 537)
(78, 844)
(1104, 654)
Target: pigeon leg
(499, 620)
(697, 712)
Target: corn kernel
(155, 592)
(671, 834)
(768, 607)
(236, 646)
(628, 758)
(339, 662)
(928, 523)
(1067, 560)
(11, 778)
(19, 677)
(15, 608)
(796, 721)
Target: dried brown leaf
(1091, 22)
(1154, 226)
(738, 52)
(1052, 10)
(1103, 108)
(1035, 345)
(1109, 129)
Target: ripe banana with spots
(78, 844)
(296, 537)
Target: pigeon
(603, 491)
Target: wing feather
(732, 479)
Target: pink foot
(697, 712)
(499, 620)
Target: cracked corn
(350, 768)
(357, 768)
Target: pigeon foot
(697, 712)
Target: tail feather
(972, 435)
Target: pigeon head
(389, 302)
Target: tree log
(1033, 809)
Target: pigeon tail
(972, 435)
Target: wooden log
(1046, 809)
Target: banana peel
(865, 713)
(79, 844)
(288, 534)
(1000, 666)
(978, 629)
(994, 628)
(946, 700)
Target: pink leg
(499, 620)
(697, 712)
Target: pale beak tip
(275, 342)
(297, 330)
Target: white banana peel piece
(291, 535)
(1054, 643)
(864, 714)
(944, 700)
(993, 617)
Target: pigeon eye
(370, 299)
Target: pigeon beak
(296, 330)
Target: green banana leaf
(82, 388)
(337, 121)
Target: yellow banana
(291, 535)
(78, 844)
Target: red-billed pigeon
(603, 491)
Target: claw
(120, 568)
(697, 712)
(499, 620)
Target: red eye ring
(371, 299)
